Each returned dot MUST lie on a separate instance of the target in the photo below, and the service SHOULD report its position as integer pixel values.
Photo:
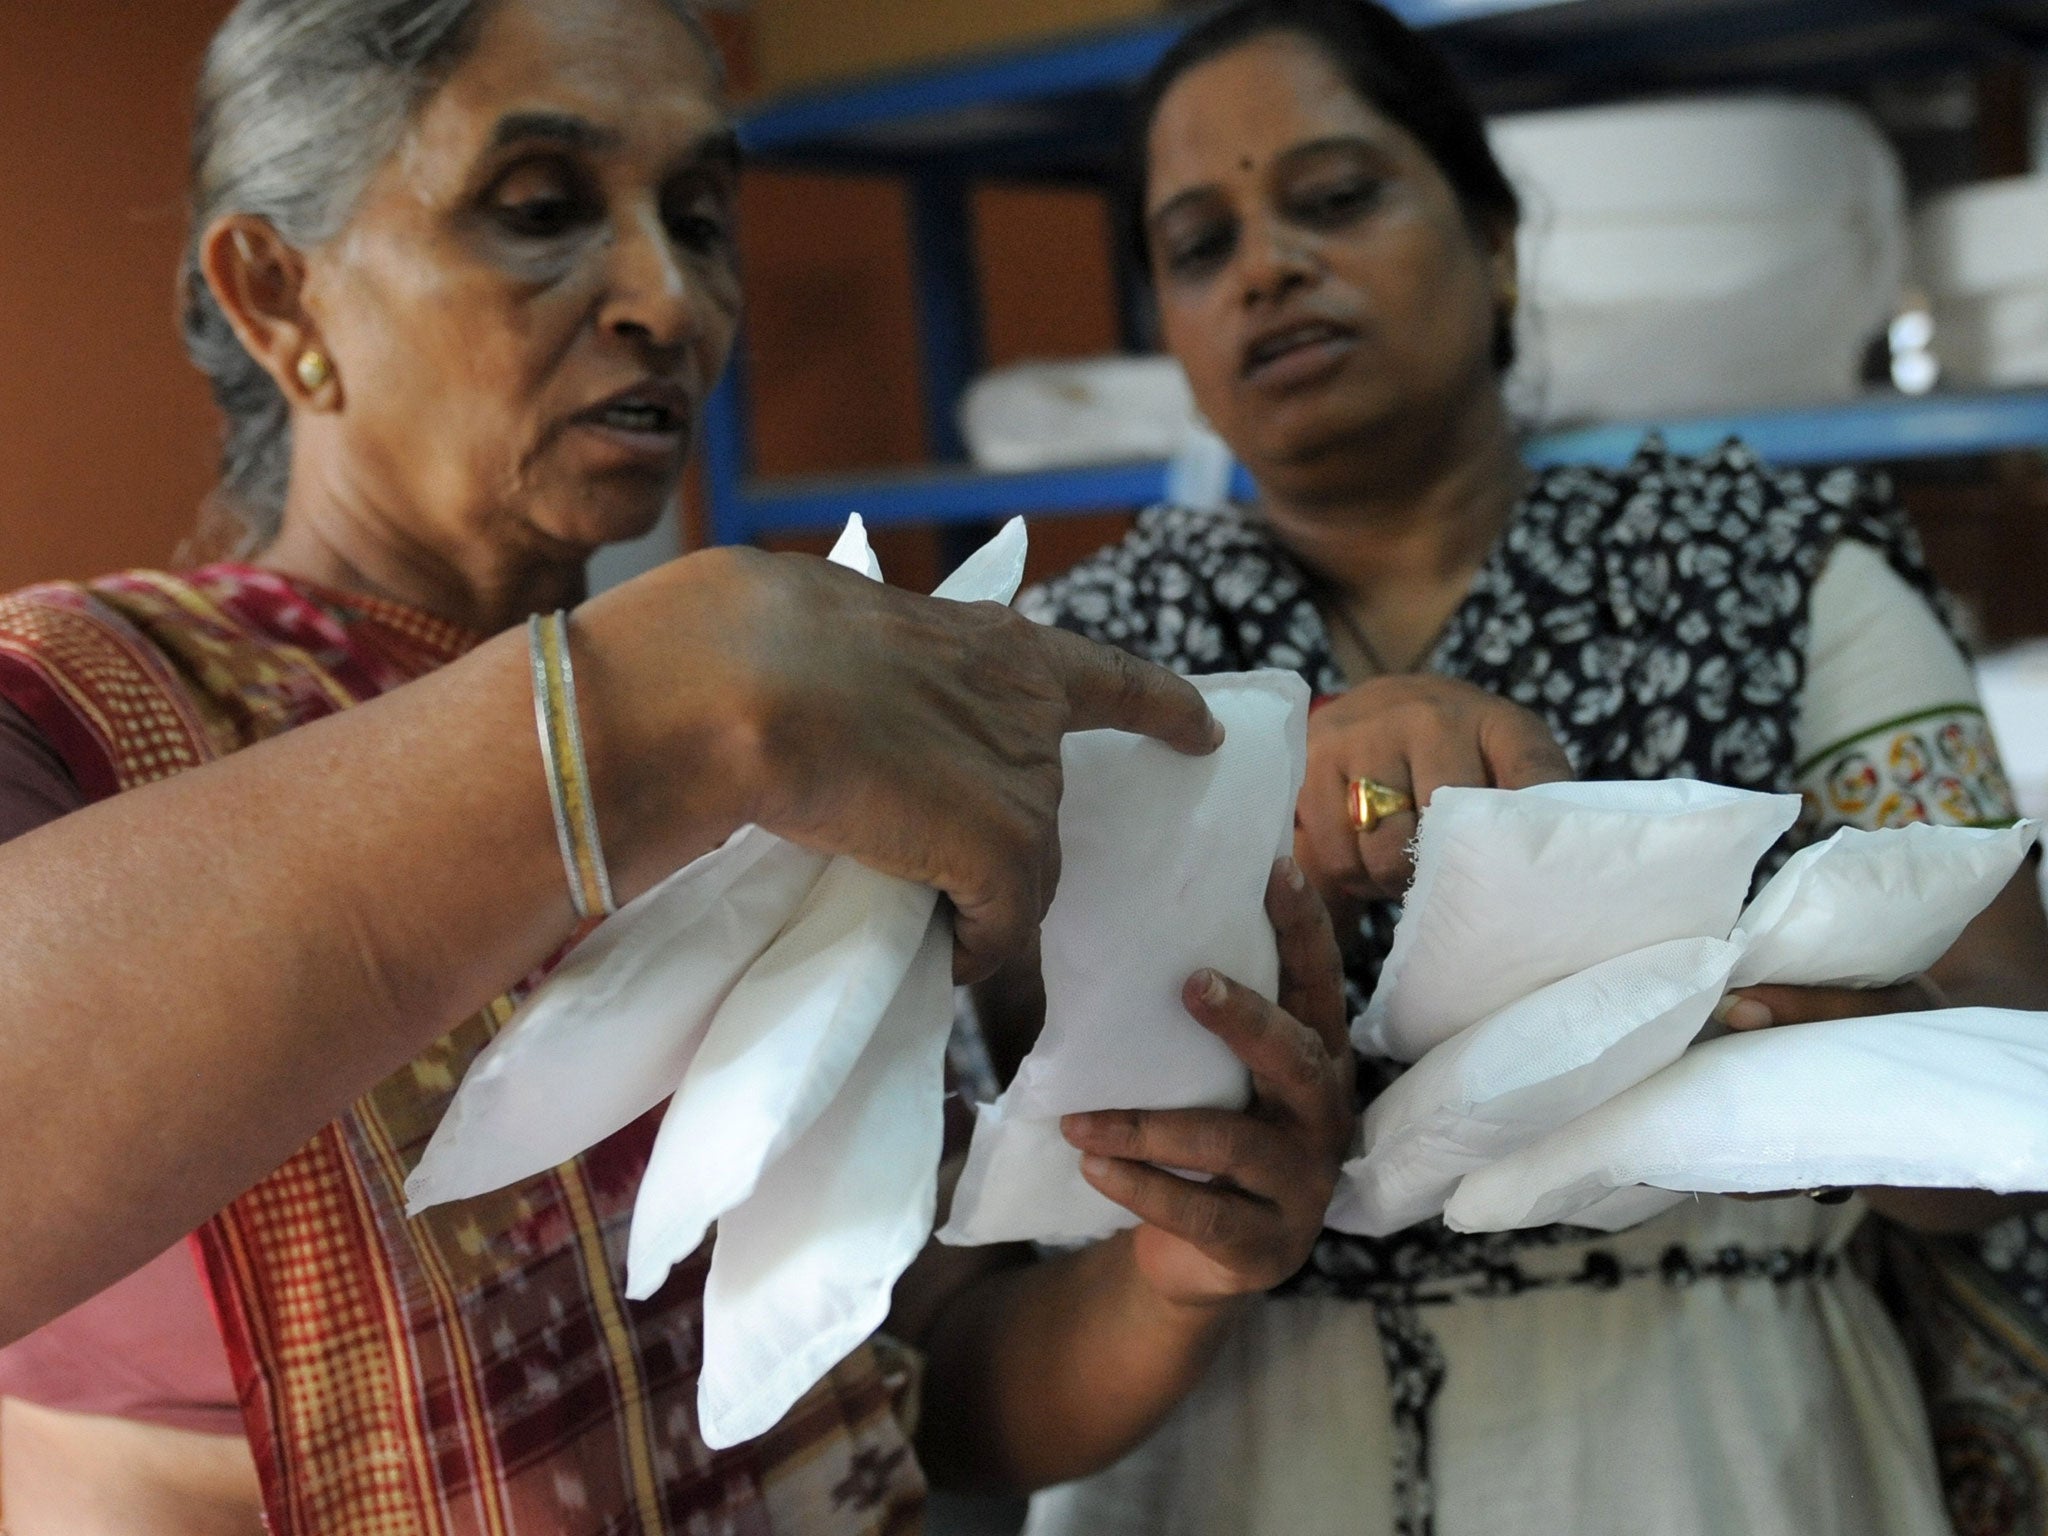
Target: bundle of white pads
(794, 1011)
(1559, 957)
(1164, 863)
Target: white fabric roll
(1095, 410)
(1690, 256)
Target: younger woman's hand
(1768, 1007)
(1415, 734)
(1272, 1167)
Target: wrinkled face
(1316, 275)
(537, 291)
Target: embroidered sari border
(1959, 707)
(102, 695)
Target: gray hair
(299, 103)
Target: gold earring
(1510, 295)
(314, 370)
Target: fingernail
(1215, 732)
(1291, 873)
(1209, 986)
(1743, 1013)
(1076, 1126)
(1094, 1165)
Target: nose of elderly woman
(651, 296)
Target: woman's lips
(638, 429)
(1301, 355)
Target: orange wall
(106, 433)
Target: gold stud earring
(314, 370)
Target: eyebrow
(1304, 151)
(718, 150)
(562, 128)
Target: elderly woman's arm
(202, 972)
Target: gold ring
(1372, 802)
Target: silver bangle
(568, 774)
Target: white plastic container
(1687, 257)
(1982, 251)
(1094, 410)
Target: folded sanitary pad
(1646, 933)
(1165, 861)
(1956, 1099)
(794, 1010)
(1515, 889)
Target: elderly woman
(1333, 249)
(461, 272)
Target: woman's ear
(258, 278)
(1504, 268)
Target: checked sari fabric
(474, 1372)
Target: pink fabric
(146, 1348)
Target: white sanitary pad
(1165, 861)
(1515, 889)
(794, 1011)
(1951, 1100)
(1868, 909)
(1861, 909)
(1535, 1064)
(791, 1004)
(803, 1269)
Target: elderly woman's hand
(1414, 734)
(1271, 1168)
(922, 737)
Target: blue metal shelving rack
(1053, 114)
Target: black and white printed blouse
(1660, 617)
(1701, 617)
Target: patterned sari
(474, 1372)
